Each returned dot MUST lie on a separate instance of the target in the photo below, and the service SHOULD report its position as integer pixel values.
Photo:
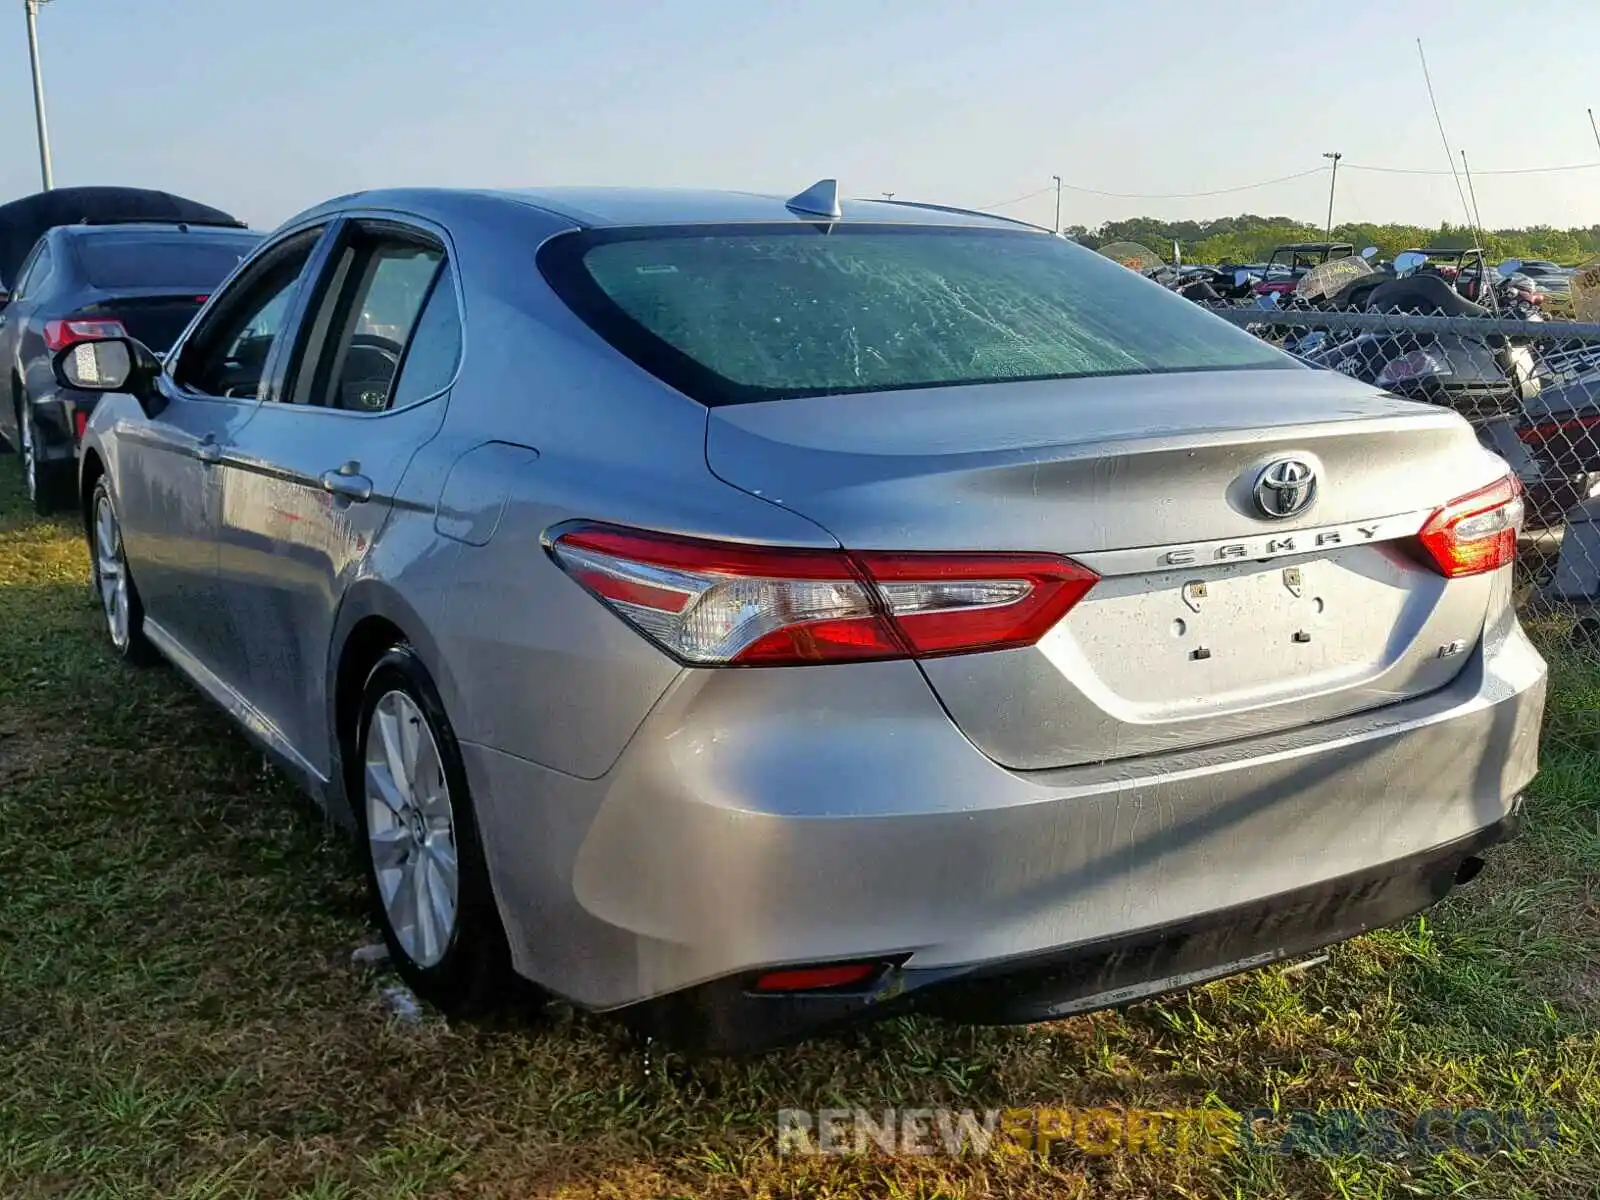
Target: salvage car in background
(750, 615)
(87, 277)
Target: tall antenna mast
(1485, 292)
(1438, 120)
(1477, 217)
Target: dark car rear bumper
(726, 1017)
(55, 419)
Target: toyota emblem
(1285, 488)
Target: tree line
(1249, 238)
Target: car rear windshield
(732, 314)
(179, 260)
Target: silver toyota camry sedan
(752, 614)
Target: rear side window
(435, 351)
(35, 272)
(730, 314)
(175, 261)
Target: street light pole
(32, 8)
(1336, 156)
(1057, 178)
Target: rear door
(309, 483)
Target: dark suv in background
(142, 279)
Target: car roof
(124, 228)
(618, 207)
(1317, 246)
(25, 220)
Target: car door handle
(208, 451)
(348, 483)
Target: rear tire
(48, 484)
(113, 584)
(426, 871)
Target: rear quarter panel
(542, 670)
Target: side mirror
(1240, 278)
(112, 365)
(1409, 261)
(1509, 268)
(1370, 252)
(1267, 300)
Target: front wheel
(426, 869)
(119, 598)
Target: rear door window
(379, 286)
(731, 314)
(178, 261)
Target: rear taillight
(726, 604)
(58, 335)
(1549, 431)
(1477, 532)
(1419, 364)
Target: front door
(167, 489)
(309, 483)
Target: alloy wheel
(30, 458)
(411, 831)
(111, 571)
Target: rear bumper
(54, 416)
(763, 819)
(726, 1017)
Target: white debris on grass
(1305, 964)
(403, 1004)
(374, 955)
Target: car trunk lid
(156, 319)
(1211, 621)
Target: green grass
(178, 1016)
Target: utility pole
(1057, 178)
(1593, 129)
(1336, 156)
(32, 9)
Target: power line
(1588, 166)
(1017, 199)
(1245, 187)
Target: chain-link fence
(1531, 389)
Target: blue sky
(265, 109)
